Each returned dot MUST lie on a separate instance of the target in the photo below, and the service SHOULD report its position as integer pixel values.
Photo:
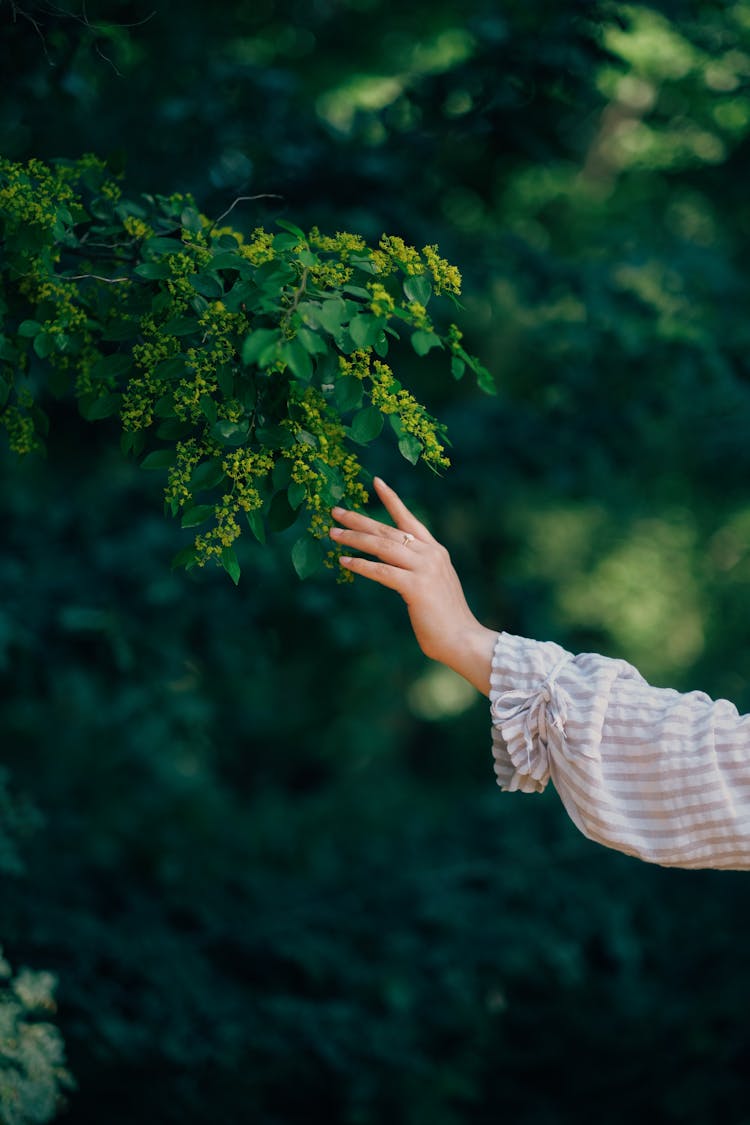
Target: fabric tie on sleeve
(525, 721)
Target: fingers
(394, 551)
(399, 512)
(391, 576)
(357, 521)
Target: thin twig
(244, 199)
(94, 276)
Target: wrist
(471, 656)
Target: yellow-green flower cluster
(357, 364)
(395, 252)
(335, 271)
(260, 248)
(62, 318)
(312, 414)
(22, 437)
(382, 303)
(136, 227)
(445, 277)
(189, 454)
(418, 314)
(391, 398)
(216, 349)
(343, 244)
(244, 467)
(223, 534)
(31, 194)
(143, 389)
(181, 267)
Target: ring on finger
(408, 538)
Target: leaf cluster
(251, 369)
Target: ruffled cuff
(528, 709)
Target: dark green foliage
(269, 866)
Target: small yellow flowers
(148, 315)
(136, 228)
(259, 249)
(395, 249)
(382, 303)
(445, 277)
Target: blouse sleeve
(649, 771)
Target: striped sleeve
(649, 771)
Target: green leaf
(225, 379)
(230, 433)
(159, 459)
(299, 234)
(422, 341)
(180, 326)
(484, 378)
(158, 245)
(231, 563)
(256, 525)
(260, 347)
(133, 441)
(111, 366)
(171, 368)
(209, 474)
(281, 514)
(207, 285)
(418, 288)
(29, 328)
(311, 342)
(198, 514)
(7, 351)
(282, 474)
(94, 407)
(307, 556)
(298, 359)
(358, 292)
(334, 487)
(304, 437)
(185, 559)
(458, 366)
(365, 329)
(285, 242)
(296, 493)
(347, 393)
(227, 260)
(42, 345)
(118, 330)
(153, 271)
(410, 447)
(191, 220)
(209, 408)
(366, 425)
(332, 314)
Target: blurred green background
(253, 833)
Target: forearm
(470, 654)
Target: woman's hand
(413, 563)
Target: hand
(419, 568)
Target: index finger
(399, 512)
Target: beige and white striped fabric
(649, 771)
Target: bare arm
(412, 562)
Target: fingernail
(338, 511)
(335, 532)
(345, 560)
(379, 480)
